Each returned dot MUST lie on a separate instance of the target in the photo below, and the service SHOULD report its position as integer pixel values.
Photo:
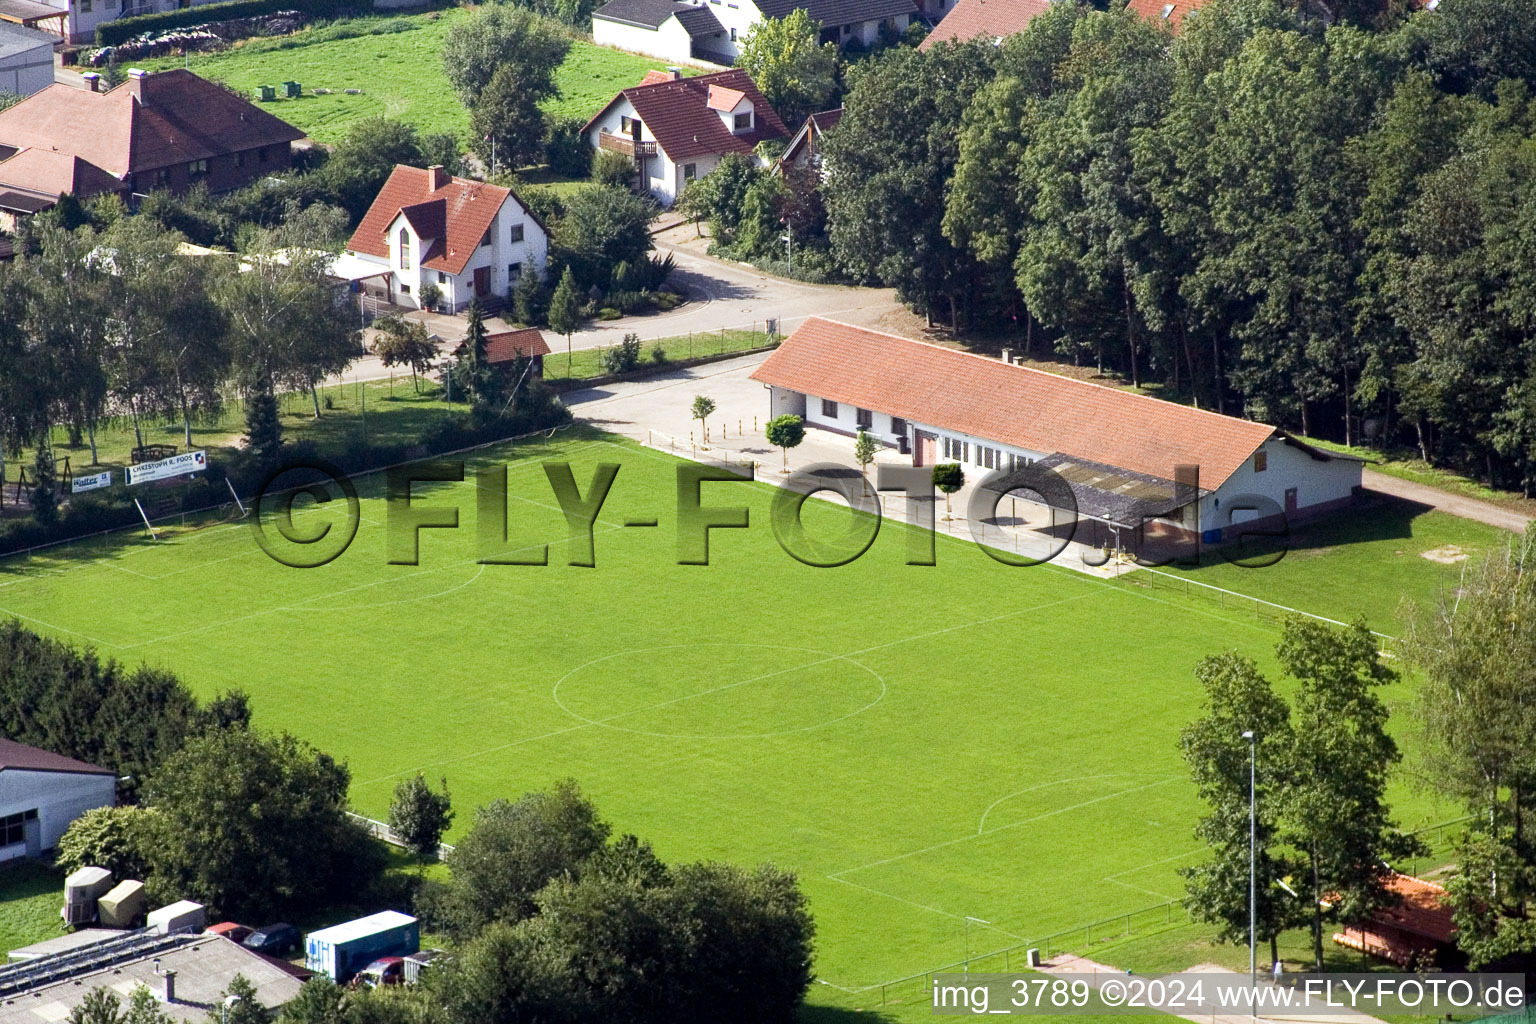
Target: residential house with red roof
(677, 129)
(992, 20)
(468, 238)
(1120, 452)
(165, 131)
(41, 793)
(1165, 12)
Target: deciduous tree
(794, 70)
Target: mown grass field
(400, 74)
(920, 744)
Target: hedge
(121, 30)
(107, 510)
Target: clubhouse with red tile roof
(1120, 451)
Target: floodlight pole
(1253, 890)
(968, 922)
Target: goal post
(238, 503)
(145, 516)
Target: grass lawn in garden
(562, 365)
(31, 894)
(399, 73)
(920, 744)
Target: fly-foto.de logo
(308, 513)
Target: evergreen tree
(528, 299)
(44, 496)
(263, 429)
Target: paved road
(1445, 501)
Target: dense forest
(1320, 217)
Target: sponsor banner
(176, 465)
(93, 482)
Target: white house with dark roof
(41, 793)
(1120, 452)
(654, 24)
(676, 129)
(669, 29)
(470, 239)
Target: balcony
(624, 144)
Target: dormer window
(405, 249)
(743, 122)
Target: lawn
(395, 414)
(560, 365)
(399, 74)
(921, 745)
(30, 897)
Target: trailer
(342, 950)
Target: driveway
(721, 295)
(1445, 501)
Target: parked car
(386, 970)
(230, 930)
(273, 940)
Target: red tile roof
(1165, 12)
(987, 19)
(146, 123)
(24, 758)
(1014, 405)
(1424, 910)
(721, 98)
(678, 114)
(450, 220)
(509, 345)
(653, 76)
(47, 172)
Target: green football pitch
(922, 745)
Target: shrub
(430, 296)
(610, 168)
(624, 356)
(608, 313)
(630, 302)
(658, 355)
(114, 838)
(566, 152)
(122, 29)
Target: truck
(341, 951)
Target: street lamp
(228, 1002)
(968, 922)
(1253, 891)
(789, 243)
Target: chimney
(92, 81)
(170, 986)
(675, 72)
(437, 177)
(136, 78)
(1007, 355)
